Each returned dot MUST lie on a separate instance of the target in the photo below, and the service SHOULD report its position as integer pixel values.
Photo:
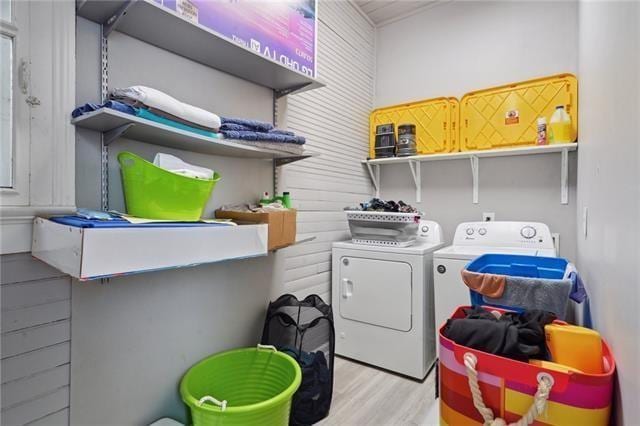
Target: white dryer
(473, 239)
(383, 303)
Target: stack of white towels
(167, 106)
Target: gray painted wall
(608, 185)
(134, 337)
(335, 121)
(36, 310)
(455, 47)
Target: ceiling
(382, 11)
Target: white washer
(383, 303)
(473, 239)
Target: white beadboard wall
(36, 333)
(335, 121)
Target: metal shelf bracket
(374, 175)
(112, 23)
(281, 161)
(414, 166)
(284, 92)
(115, 133)
(564, 177)
(475, 166)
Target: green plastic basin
(154, 193)
(258, 385)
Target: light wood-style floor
(364, 395)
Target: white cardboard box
(92, 253)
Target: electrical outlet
(488, 216)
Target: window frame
(18, 30)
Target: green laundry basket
(250, 386)
(155, 193)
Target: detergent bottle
(560, 126)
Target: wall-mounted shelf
(114, 124)
(414, 162)
(150, 22)
(96, 253)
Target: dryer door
(376, 292)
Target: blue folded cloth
(242, 128)
(282, 132)
(255, 125)
(253, 130)
(81, 222)
(579, 295)
(262, 136)
(90, 107)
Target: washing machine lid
(419, 248)
(471, 252)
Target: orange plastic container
(574, 346)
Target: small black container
(406, 140)
(385, 145)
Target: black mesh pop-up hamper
(304, 330)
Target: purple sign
(283, 30)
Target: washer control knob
(469, 231)
(345, 261)
(441, 269)
(528, 232)
(424, 229)
(482, 231)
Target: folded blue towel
(236, 127)
(262, 136)
(282, 132)
(255, 125)
(579, 295)
(242, 128)
(81, 222)
(90, 107)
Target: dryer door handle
(347, 288)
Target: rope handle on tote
(270, 347)
(545, 383)
(221, 404)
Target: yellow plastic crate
(454, 127)
(432, 118)
(506, 116)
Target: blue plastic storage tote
(546, 268)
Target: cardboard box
(282, 224)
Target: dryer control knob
(482, 231)
(424, 229)
(528, 232)
(469, 231)
(441, 269)
(345, 262)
